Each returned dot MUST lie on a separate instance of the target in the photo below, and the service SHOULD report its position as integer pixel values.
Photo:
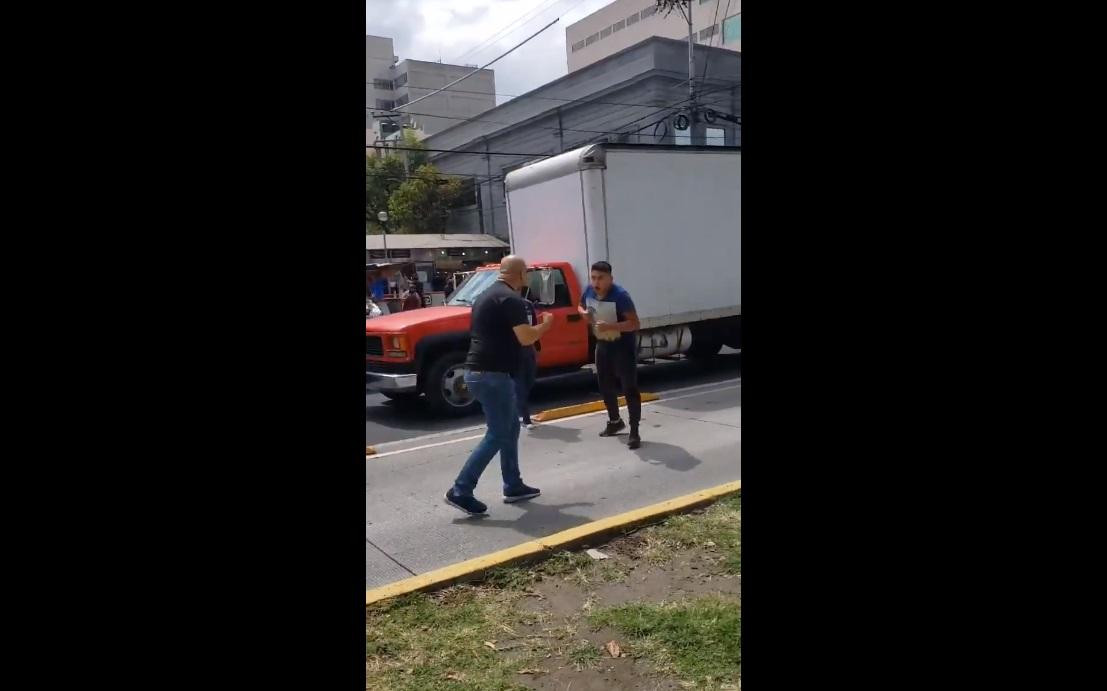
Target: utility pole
(691, 62)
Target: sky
(450, 30)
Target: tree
(415, 159)
(383, 176)
(421, 202)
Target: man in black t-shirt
(499, 331)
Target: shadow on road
(707, 402)
(660, 453)
(568, 435)
(538, 520)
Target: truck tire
(445, 386)
(733, 333)
(707, 341)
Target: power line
(470, 74)
(707, 58)
(454, 151)
(508, 28)
(477, 118)
(508, 124)
(539, 98)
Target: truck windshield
(472, 287)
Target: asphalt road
(691, 441)
(387, 421)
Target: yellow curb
(370, 451)
(542, 547)
(581, 408)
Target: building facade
(632, 96)
(391, 83)
(624, 23)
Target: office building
(625, 23)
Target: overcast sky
(448, 29)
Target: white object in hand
(604, 312)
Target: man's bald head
(513, 271)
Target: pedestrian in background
(498, 333)
(616, 359)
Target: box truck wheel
(445, 385)
(706, 341)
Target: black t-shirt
(493, 346)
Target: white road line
(564, 419)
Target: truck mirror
(546, 293)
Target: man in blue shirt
(616, 351)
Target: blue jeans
(496, 393)
(524, 382)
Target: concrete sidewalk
(690, 441)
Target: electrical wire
(455, 151)
(508, 28)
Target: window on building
(591, 39)
(649, 11)
(402, 100)
(382, 84)
(401, 80)
(632, 19)
(605, 32)
(619, 25)
(704, 1)
(715, 136)
(709, 31)
(682, 137)
(385, 104)
(578, 45)
(732, 30)
(400, 254)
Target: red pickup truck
(422, 352)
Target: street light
(382, 216)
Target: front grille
(373, 345)
(381, 367)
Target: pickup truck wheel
(445, 387)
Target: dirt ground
(544, 616)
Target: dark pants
(617, 367)
(524, 382)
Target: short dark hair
(602, 266)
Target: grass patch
(698, 640)
(719, 526)
(510, 577)
(565, 563)
(423, 642)
(584, 655)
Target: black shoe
(520, 493)
(467, 504)
(633, 442)
(613, 428)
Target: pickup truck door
(566, 344)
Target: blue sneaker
(520, 493)
(467, 504)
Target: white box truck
(667, 218)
